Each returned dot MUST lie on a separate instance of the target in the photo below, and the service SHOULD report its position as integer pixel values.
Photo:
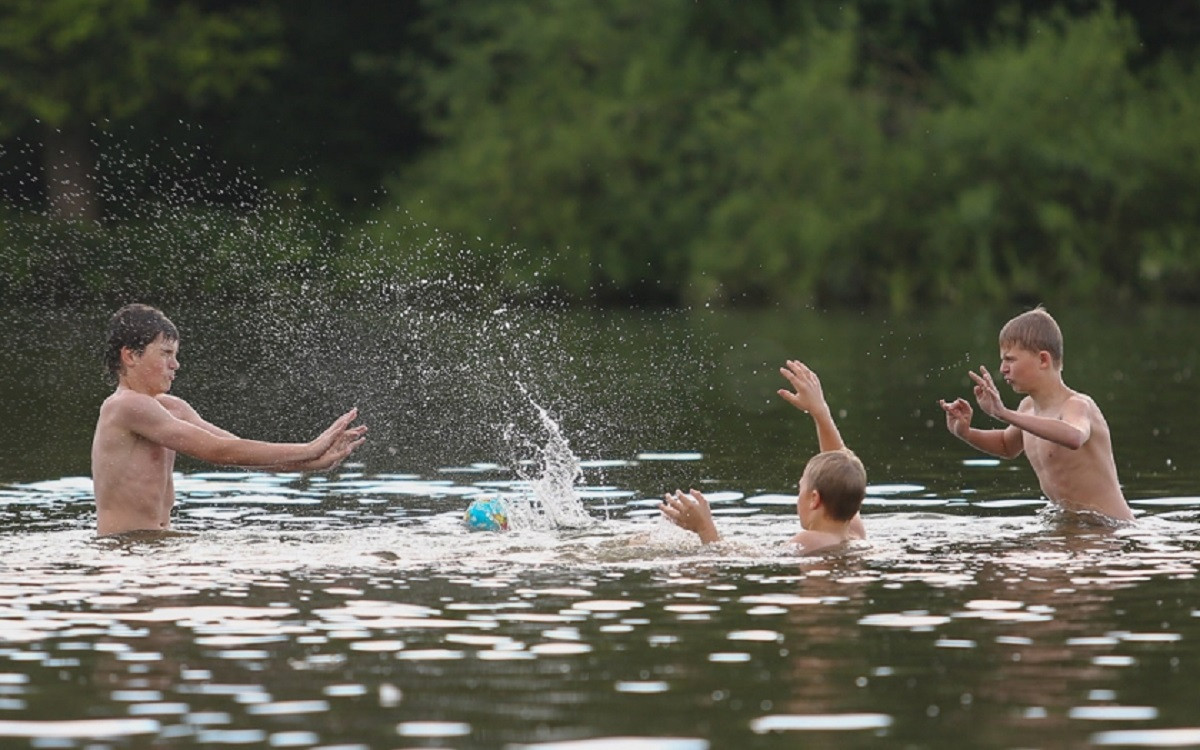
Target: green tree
(71, 66)
(1048, 161)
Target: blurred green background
(870, 153)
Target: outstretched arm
(806, 395)
(173, 424)
(1072, 430)
(343, 445)
(690, 512)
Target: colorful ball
(487, 514)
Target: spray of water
(291, 312)
(550, 501)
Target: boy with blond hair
(1060, 430)
(832, 486)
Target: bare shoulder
(177, 407)
(1083, 402)
(1086, 406)
(124, 401)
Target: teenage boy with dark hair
(141, 427)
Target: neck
(132, 384)
(1051, 393)
(823, 524)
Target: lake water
(355, 610)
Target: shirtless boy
(1061, 430)
(141, 428)
(832, 487)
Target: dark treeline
(870, 152)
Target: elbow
(1073, 439)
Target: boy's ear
(814, 499)
(1045, 359)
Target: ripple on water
(620, 743)
(1180, 737)
(80, 729)
(820, 723)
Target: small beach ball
(486, 514)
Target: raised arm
(1071, 430)
(806, 395)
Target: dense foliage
(934, 151)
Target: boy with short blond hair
(832, 487)
(1061, 431)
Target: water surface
(355, 610)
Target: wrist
(821, 414)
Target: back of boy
(1061, 431)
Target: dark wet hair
(841, 480)
(134, 326)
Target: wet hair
(1034, 331)
(841, 480)
(134, 326)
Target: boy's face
(1021, 367)
(155, 366)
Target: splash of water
(551, 501)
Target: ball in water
(486, 514)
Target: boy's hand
(986, 394)
(690, 512)
(958, 416)
(806, 394)
(342, 447)
(333, 432)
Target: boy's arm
(342, 446)
(1071, 430)
(690, 512)
(152, 420)
(181, 409)
(1004, 443)
(808, 396)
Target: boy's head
(1034, 331)
(840, 480)
(134, 326)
